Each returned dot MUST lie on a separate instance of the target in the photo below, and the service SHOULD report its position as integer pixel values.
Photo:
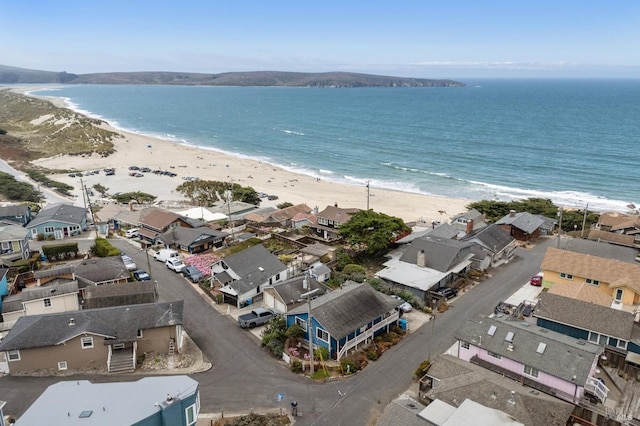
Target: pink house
(551, 362)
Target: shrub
(296, 366)
(422, 369)
(60, 251)
(376, 283)
(319, 375)
(103, 248)
(348, 366)
(372, 354)
(273, 335)
(294, 332)
(354, 268)
(321, 353)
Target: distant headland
(14, 75)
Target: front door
(619, 294)
(57, 234)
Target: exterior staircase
(172, 347)
(121, 362)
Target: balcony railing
(368, 334)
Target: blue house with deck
(346, 318)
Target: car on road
(192, 273)
(175, 264)
(536, 280)
(447, 292)
(403, 305)
(141, 275)
(131, 233)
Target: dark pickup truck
(256, 317)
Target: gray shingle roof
(444, 230)
(183, 236)
(491, 237)
(12, 232)
(563, 357)
(524, 221)
(255, 266)
(48, 291)
(346, 309)
(585, 315)
(60, 213)
(459, 380)
(600, 249)
(442, 253)
(120, 323)
(291, 289)
(101, 269)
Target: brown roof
(630, 222)
(301, 216)
(289, 212)
(613, 272)
(612, 237)
(337, 214)
(582, 291)
(614, 219)
(154, 217)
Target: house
(19, 214)
(522, 226)
(427, 264)
(100, 271)
(155, 221)
(451, 380)
(235, 210)
(192, 240)
(300, 220)
(616, 331)
(282, 217)
(46, 299)
(313, 253)
(467, 222)
(243, 275)
(619, 223)
(542, 359)
(14, 243)
(548, 224)
(330, 219)
(159, 401)
(320, 272)
(612, 238)
(620, 280)
(110, 338)
(442, 230)
(203, 214)
(58, 221)
(104, 296)
(287, 294)
(599, 249)
(492, 246)
(4, 285)
(346, 318)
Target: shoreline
(209, 164)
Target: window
(34, 232)
(530, 371)
(277, 277)
(87, 342)
(593, 337)
(302, 323)
(619, 293)
(6, 245)
(622, 344)
(464, 345)
(13, 355)
(592, 282)
(62, 365)
(139, 335)
(47, 302)
(322, 335)
(494, 355)
(566, 276)
(603, 340)
(190, 414)
(49, 229)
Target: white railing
(367, 334)
(109, 359)
(135, 352)
(597, 388)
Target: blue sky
(426, 39)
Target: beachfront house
(279, 218)
(491, 246)
(58, 221)
(159, 401)
(427, 264)
(19, 214)
(346, 318)
(330, 219)
(244, 275)
(542, 359)
(468, 222)
(522, 226)
(14, 243)
(106, 338)
(617, 279)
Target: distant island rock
(13, 75)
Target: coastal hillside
(13, 75)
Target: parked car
(165, 254)
(448, 293)
(131, 233)
(256, 317)
(403, 305)
(536, 280)
(141, 275)
(129, 263)
(272, 197)
(192, 273)
(175, 264)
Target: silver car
(403, 305)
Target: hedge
(60, 251)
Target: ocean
(573, 141)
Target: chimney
(72, 321)
(305, 284)
(512, 399)
(421, 261)
(469, 226)
(335, 204)
(512, 213)
(315, 210)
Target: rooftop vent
(260, 268)
(580, 342)
(72, 321)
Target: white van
(131, 233)
(165, 254)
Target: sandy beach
(144, 151)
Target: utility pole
(368, 195)
(584, 220)
(559, 228)
(310, 325)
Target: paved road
(244, 377)
(51, 197)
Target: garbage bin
(403, 324)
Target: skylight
(509, 337)
(541, 348)
(492, 330)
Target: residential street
(244, 377)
